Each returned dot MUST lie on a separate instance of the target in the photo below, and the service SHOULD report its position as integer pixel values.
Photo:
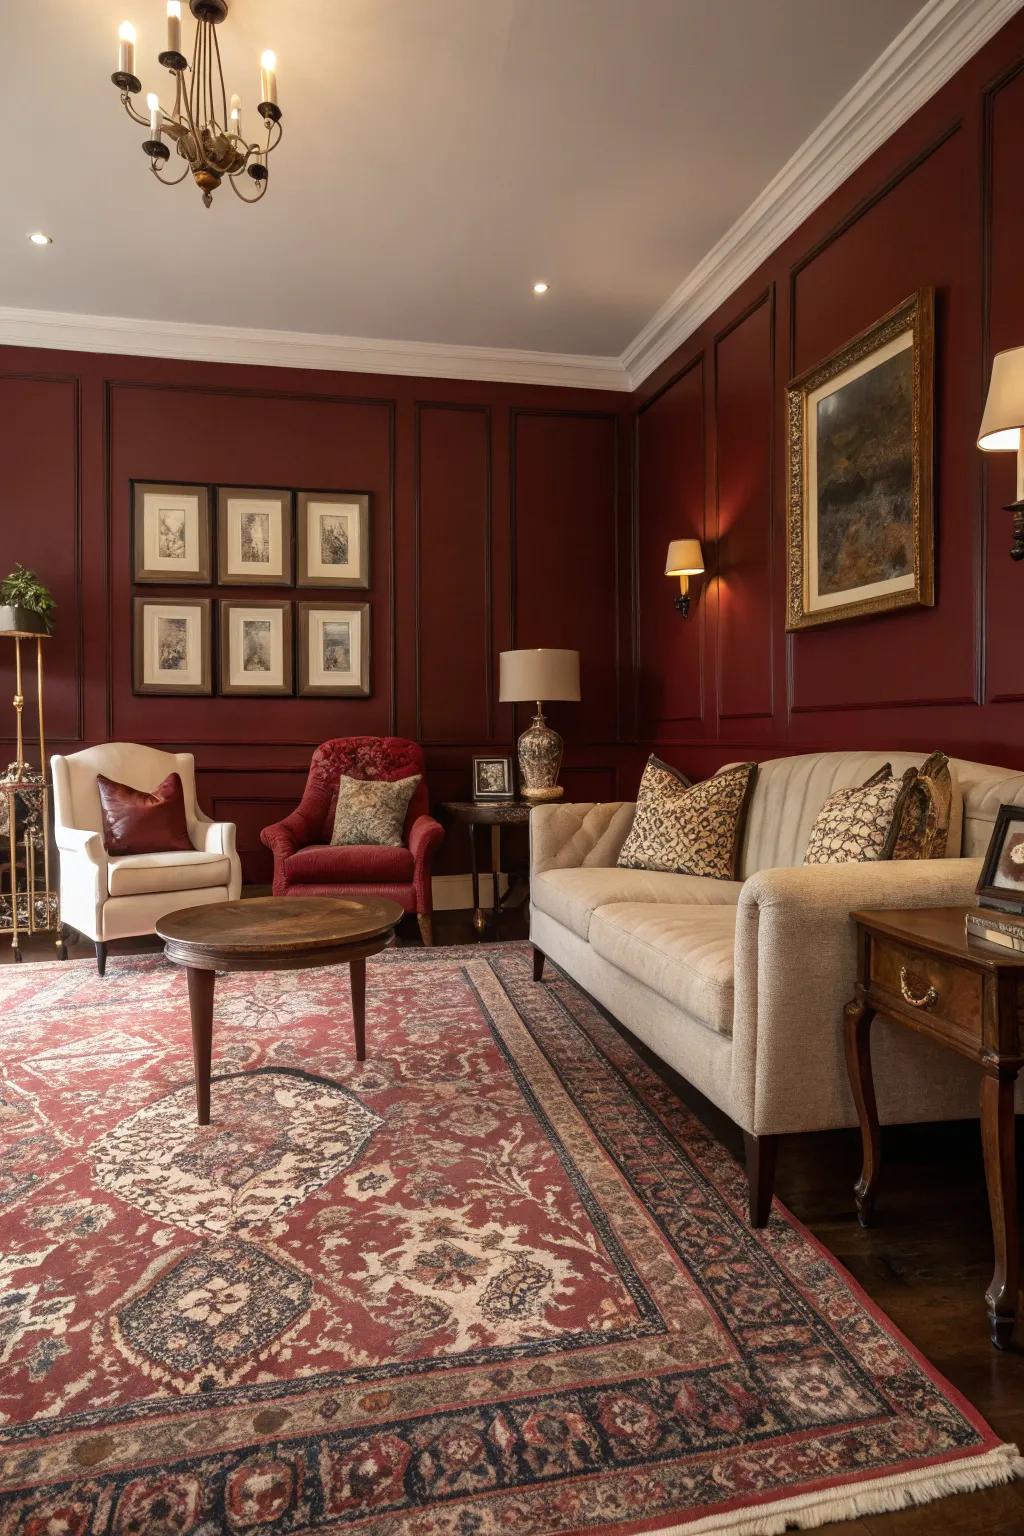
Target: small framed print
(333, 539)
(255, 648)
(492, 778)
(172, 649)
(334, 650)
(171, 533)
(1002, 875)
(254, 537)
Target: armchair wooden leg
(101, 957)
(538, 964)
(761, 1154)
(426, 923)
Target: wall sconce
(684, 560)
(1000, 430)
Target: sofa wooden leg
(538, 964)
(426, 923)
(101, 957)
(761, 1154)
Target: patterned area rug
(495, 1279)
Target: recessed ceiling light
(38, 238)
(540, 288)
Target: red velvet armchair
(305, 864)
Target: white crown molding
(301, 349)
(931, 48)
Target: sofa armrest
(578, 836)
(796, 969)
(80, 842)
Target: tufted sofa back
(790, 791)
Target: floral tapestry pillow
(689, 829)
(860, 824)
(372, 810)
(927, 810)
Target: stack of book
(1000, 928)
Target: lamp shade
(533, 676)
(684, 558)
(1004, 409)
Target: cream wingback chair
(107, 897)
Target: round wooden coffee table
(272, 933)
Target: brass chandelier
(206, 131)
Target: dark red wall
(939, 205)
(497, 514)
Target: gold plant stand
(29, 901)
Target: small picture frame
(255, 649)
(170, 533)
(334, 650)
(172, 652)
(254, 537)
(1002, 875)
(492, 778)
(333, 538)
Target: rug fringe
(807, 1511)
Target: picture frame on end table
(255, 546)
(256, 651)
(170, 534)
(1001, 883)
(334, 650)
(172, 652)
(860, 534)
(333, 538)
(492, 779)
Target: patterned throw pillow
(860, 824)
(689, 829)
(924, 824)
(372, 810)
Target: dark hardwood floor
(926, 1262)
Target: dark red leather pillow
(135, 822)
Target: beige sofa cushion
(571, 896)
(684, 953)
(137, 874)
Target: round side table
(486, 813)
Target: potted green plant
(26, 605)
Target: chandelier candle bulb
(153, 103)
(126, 49)
(268, 79)
(173, 26)
(235, 115)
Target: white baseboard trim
(454, 893)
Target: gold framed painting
(860, 530)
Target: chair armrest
(796, 969)
(81, 843)
(284, 836)
(584, 835)
(425, 837)
(214, 836)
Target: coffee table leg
(357, 979)
(200, 1000)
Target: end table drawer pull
(926, 999)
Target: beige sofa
(740, 985)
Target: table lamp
(532, 676)
(1000, 430)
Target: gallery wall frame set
(259, 539)
(860, 534)
(173, 648)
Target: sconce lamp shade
(529, 676)
(684, 558)
(1004, 409)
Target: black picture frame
(1003, 898)
(486, 795)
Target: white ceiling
(438, 156)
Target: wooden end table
(494, 814)
(272, 933)
(918, 969)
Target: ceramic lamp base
(540, 758)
